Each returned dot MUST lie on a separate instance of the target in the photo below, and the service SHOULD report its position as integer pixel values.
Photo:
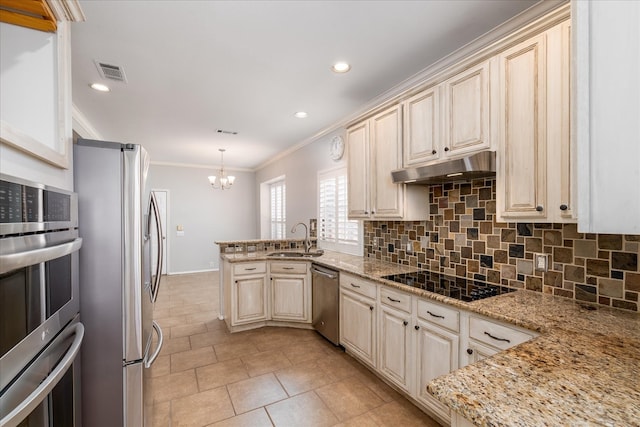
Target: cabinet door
(421, 137)
(522, 175)
(289, 298)
(385, 156)
(560, 154)
(437, 354)
(358, 170)
(466, 104)
(357, 326)
(475, 352)
(250, 299)
(395, 347)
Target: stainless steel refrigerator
(119, 282)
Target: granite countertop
(583, 369)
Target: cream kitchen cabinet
(395, 337)
(535, 168)
(422, 127)
(374, 150)
(488, 337)
(290, 291)
(467, 111)
(249, 300)
(437, 348)
(358, 318)
(451, 119)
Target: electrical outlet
(541, 262)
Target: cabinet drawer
(439, 315)
(395, 299)
(250, 268)
(496, 335)
(289, 267)
(357, 285)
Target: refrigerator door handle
(156, 213)
(150, 360)
(20, 412)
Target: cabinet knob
(373, 212)
(564, 207)
(416, 327)
(405, 323)
(371, 307)
(539, 208)
(366, 212)
(469, 351)
(446, 148)
(433, 152)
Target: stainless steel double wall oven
(40, 331)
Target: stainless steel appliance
(40, 333)
(326, 303)
(119, 222)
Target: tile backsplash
(462, 238)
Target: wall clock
(336, 150)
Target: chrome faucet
(307, 242)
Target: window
(335, 230)
(277, 209)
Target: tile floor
(206, 376)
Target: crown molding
(67, 10)
(199, 166)
(82, 125)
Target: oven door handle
(14, 261)
(20, 412)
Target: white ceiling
(197, 66)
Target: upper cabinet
(422, 127)
(466, 106)
(534, 178)
(607, 108)
(374, 150)
(450, 119)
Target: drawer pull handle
(496, 338)
(249, 269)
(355, 286)
(393, 300)
(435, 315)
(287, 268)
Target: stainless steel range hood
(479, 165)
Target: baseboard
(176, 273)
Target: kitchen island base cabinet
(265, 293)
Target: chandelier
(222, 181)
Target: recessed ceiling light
(301, 114)
(341, 67)
(100, 87)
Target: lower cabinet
(436, 354)
(249, 299)
(396, 349)
(256, 293)
(409, 341)
(358, 326)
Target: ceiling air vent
(227, 132)
(111, 72)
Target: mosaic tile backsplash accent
(462, 238)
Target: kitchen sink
(286, 254)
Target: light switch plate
(541, 262)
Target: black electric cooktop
(453, 287)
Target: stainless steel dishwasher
(326, 302)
